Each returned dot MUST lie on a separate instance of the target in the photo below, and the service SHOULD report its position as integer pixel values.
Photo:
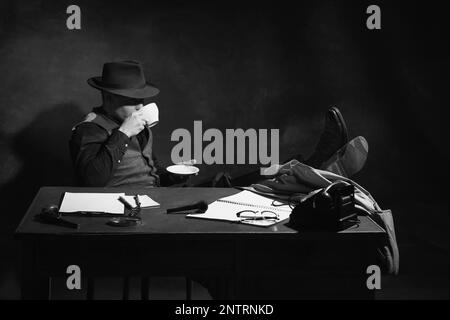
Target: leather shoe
(333, 137)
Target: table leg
(126, 288)
(188, 289)
(90, 288)
(34, 286)
(145, 284)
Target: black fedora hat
(124, 78)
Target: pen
(91, 213)
(136, 199)
(125, 202)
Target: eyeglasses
(250, 215)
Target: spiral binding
(273, 208)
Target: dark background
(235, 64)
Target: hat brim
(146, 92)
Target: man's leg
(348, 160)
(332, 141)
(334, 136)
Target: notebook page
(227, 212)
(224, 210)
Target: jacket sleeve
(95, 154)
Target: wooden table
(273, 263)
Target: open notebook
(227, 208)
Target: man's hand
(134, 124)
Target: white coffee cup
(151, 114)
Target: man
(113, 146)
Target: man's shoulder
(88, 118)
(97, 118)
(89, 127)
(89, 131)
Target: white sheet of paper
(145, 201)
(92, 202)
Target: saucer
(183, 169)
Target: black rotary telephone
(329, 209)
